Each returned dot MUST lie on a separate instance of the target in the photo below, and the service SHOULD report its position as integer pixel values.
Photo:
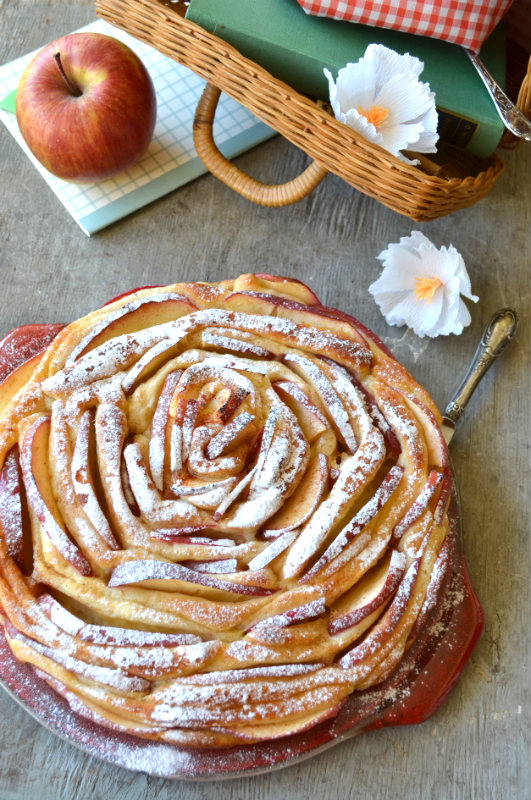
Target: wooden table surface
(477, 744)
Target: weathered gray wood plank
(477, 745)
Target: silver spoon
(513, 119)
(497, 335)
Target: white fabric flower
(421, 286)
(381, 97)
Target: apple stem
(76, 91)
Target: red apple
(86, 107)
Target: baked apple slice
(369, 595)
(312, 421)
(166, 576)
(305, 499)
(134, 316)
(34, 463)
(11, 521)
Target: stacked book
(295, 47)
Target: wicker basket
(458, 181)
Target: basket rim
(308, 127)
(349, 134)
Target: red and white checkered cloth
(464, 22)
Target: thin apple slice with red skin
(222, 566)
(240, 487)
(358, 522)
(252, 734)
(236, 432)
(308, 611)
(391, 439)
(437, 447)
(130, 292)
(371, 593)
(219, 411)
(190, 486)
(313, 315)
(156, 356)
(235, 345)
(439, 580)
(297, 290)
(268, 554)
(130, 499)
(109, 634)
(334, 314)
(312, 421)
(443, 499)
(11, 521)
(141, 313)
(388, 623)
(140, 572)
(200, 541)
(21, 345)
(231, 405)
(17, 379)
(176, 533)
(302, 504)
(176, 448)
(159, 428)
(189, 420)
(34, 464)
(419, 505)
(83, 483)
(330, 399)
(364, 332)
(251, 303)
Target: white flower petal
(444, 323)
(400, 137)
(361, 124)
(390, 61)
(386, 79)
(421, 317)
(399, 277)
(406, 98)
(439, 309)
(356, 85)
(331, 90)
(427, 141)
(388, 301)
(464, 281)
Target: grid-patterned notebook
(171, 160)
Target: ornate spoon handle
(498, 333)
(513, 119)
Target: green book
(294, 47)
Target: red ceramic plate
(409, 696)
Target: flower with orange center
(376, 115)
(381, 98)
(425, 287)
(421, 286)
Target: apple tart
(223, 513)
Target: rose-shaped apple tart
(223, 512)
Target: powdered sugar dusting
(167, 462)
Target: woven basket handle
(264, 194)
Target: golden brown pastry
(223, 510)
